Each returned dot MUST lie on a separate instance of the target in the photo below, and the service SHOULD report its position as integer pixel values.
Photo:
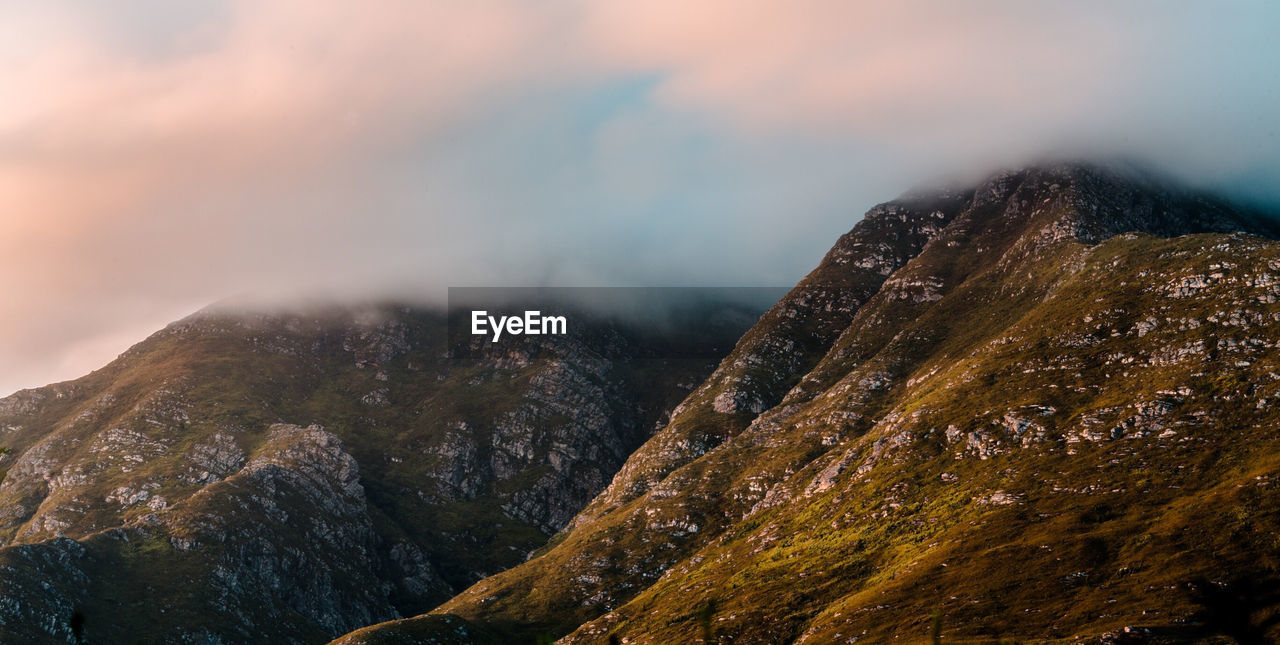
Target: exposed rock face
(1040, 408)
(793, 335)
(253, 478)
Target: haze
(156, 156)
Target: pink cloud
(110, 162)
(267, 147)
(878, 70)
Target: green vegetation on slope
(1037, 428)
(202, 503)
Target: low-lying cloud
(155, 157)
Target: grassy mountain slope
(245, 478)
(1052, 421)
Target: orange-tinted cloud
(156, 156)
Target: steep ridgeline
(1043, 409)
(288, 478)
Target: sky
(157, 156)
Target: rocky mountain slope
(290, 477)
(1043, 409)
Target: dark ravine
(1042, 409)
(290, 477)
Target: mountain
(1042, 409)
(289, 477)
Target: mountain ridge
(1021, 333)
(1069, 366)
(239, 477)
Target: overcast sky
(156, 156)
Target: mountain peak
(1096, 201)
(1062, 364)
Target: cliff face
(1041, 408)
(253, 478)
